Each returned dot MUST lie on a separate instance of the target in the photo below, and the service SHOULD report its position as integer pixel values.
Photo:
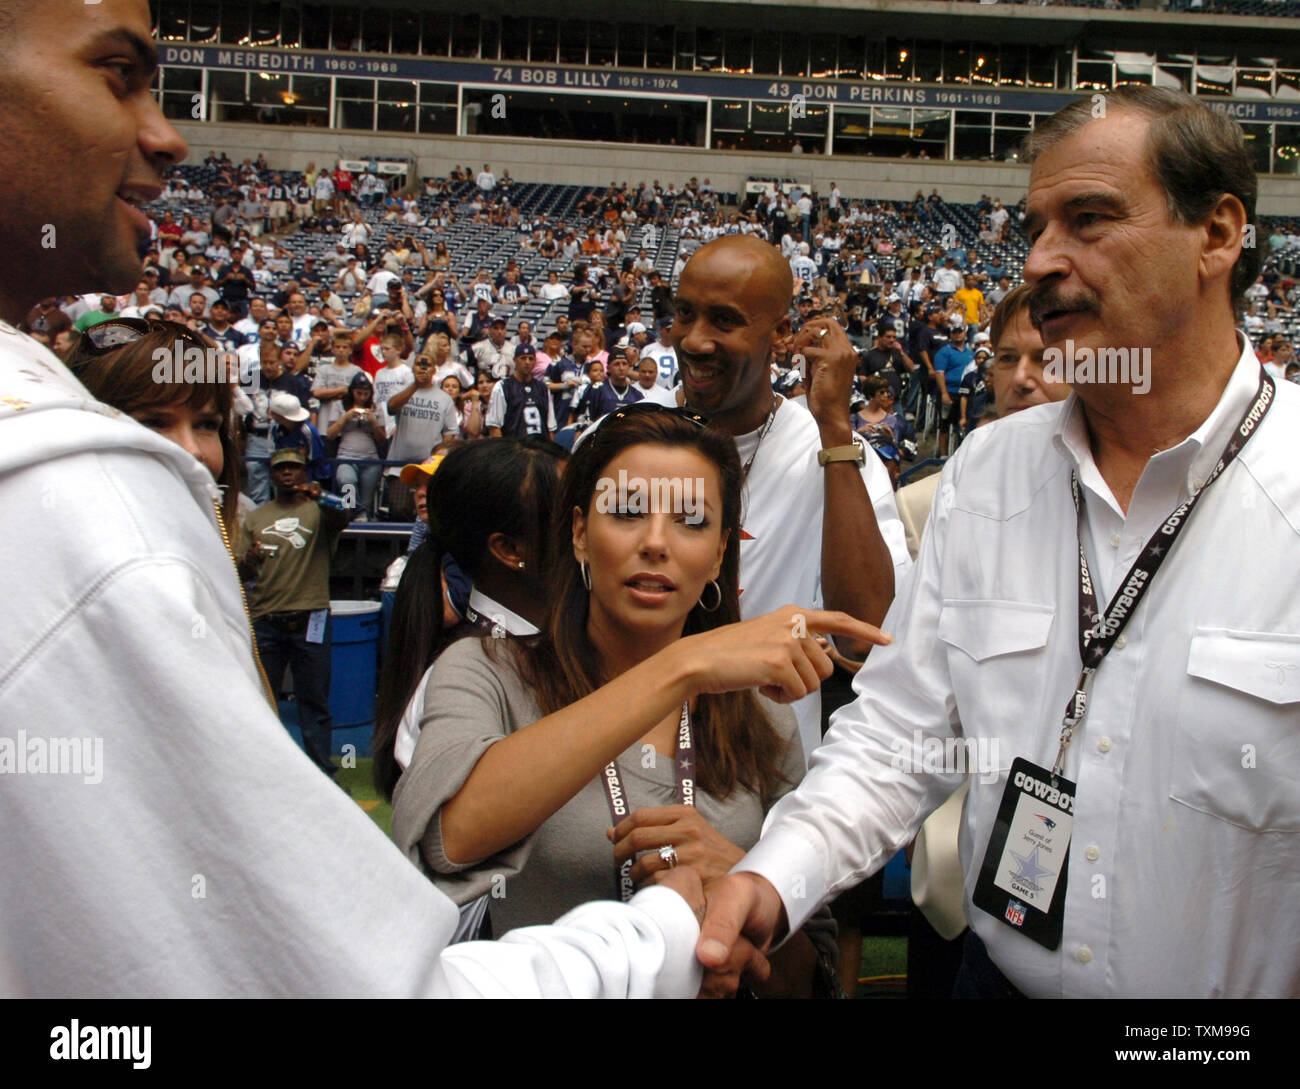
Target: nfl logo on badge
(1015, 913)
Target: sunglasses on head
(642, 408)
(116, 333)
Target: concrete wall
(572, 163)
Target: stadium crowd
(458, 311)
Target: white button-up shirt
(1184, 872)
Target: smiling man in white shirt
(820, 524)
(1173, 867)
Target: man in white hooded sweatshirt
(164, 835)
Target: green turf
(884, 968)
(883, 957)
(358, 781)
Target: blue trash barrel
(897, 893)
(354, 672)
(387, 600)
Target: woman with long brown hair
(439, 318)
(631, 726)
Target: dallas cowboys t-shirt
(421, 424)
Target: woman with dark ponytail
(488, 506)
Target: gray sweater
(472, 702)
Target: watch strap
(851, 452)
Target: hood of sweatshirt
(36, 393)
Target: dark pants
(918, 385)
(310, 664)
(978, 976)
(932, 961)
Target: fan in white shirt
(813, 532)
(552, 289)
(804, 267)
(379, 281)
(947, 279)
(355, 232)
(647, 381)
(495, 354)
(1166, 893)
(664, 355)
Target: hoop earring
(717, 604)
(585, 573)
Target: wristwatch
(851, 452)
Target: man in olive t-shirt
(286, 545)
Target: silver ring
(822, 332)
(669, 855)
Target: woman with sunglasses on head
(120, 362)
(876, 420)
(639, 723)
(439, 319)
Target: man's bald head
(758, 262)
(732, 308)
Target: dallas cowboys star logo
(1029, 870)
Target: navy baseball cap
(524, 349)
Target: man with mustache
(1069, 612)
(820, 522)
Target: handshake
(739, 917)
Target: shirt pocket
(997, 663)
(987, 628)
(1237, 750)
